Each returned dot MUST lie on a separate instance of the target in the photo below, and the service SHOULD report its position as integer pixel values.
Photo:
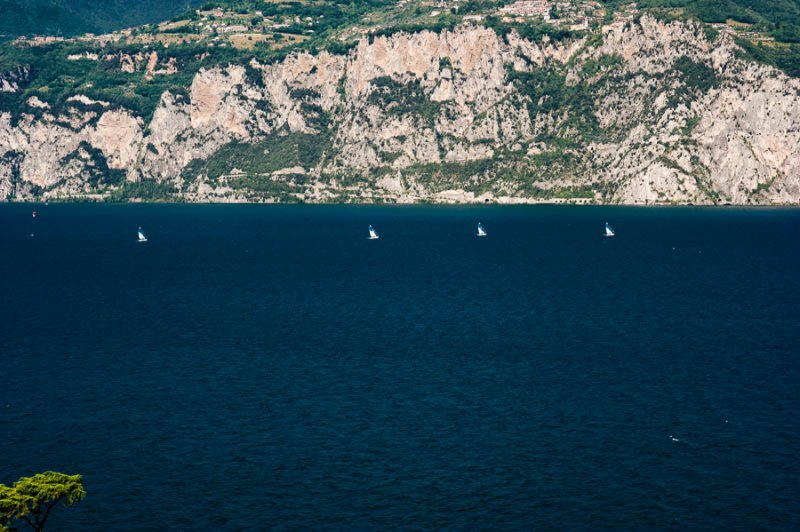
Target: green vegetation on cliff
(53, 77)
(278, 151)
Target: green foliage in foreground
(31, 499)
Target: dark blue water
(255, 367)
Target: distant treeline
(71, 17)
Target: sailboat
(481, 230)
(373, 235)
(609, 230)
(142, 236)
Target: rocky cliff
(642, 111)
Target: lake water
(268, 366)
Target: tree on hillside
(31, 499)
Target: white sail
(481, 230)
(142, 236)
(373, 235)
(609, 230)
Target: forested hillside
(71, 17)
(778, 16)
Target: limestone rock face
(647, 112)
(117, 134)
(10, 81)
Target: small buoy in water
(34, 214)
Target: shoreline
(88, 201)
